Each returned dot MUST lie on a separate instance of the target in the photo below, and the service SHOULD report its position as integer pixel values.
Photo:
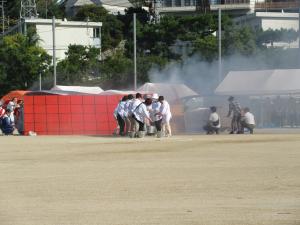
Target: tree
(79, 65)
(21, 62)
(50, 8)
(239, 40)
(117, 71)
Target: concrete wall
(66, 33)
(65, 36)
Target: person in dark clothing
(8, 125)
(235, 109)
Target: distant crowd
(137, 115)
(12, 116)
(242, 119)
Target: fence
(69, 115)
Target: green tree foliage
(21, 62)
(111, 29)
(13, 7)
(239, 41)
(50, 8)
(117, 71)
(79, 65)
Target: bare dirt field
(183, 180)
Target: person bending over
(214, 124)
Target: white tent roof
(171, 92)
(260, 82)
(80, 89)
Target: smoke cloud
(202, 76)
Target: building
(239, 7)
(272, 21)
(233, 7)
(66, 33)
(114, 7)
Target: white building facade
(66, 33)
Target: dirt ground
(183, 180)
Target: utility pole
(134, 50)
(2, 15)
(28, 9)
(54, 51)
(299, 29)
(220, 46)
(46, 10)
(100, 43)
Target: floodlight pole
(134, 50)
(299, 29)
(54, 52)
(40, 80)
(220, 46)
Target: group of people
(12, 116)
(242, 119)
(135, 113)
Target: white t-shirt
(166, 112)
(249, 118)
(214, 117)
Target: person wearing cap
(235, 110)
(8, 125)
(12, 105)
(156, 116)
(165, 111)
(214, 124)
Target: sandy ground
(183, 180)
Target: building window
(168, 3)
(96, 32)
(177, 2)
(187, 2)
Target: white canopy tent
(260, 82)
(79, 89)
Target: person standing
(214, 123)
(121, 115)
(127, 114)
(140, 115)
(155, 114)
(247, 120)
(235, 109)
(165, 111)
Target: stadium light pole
(54, 52)
(220, 45)
(299, 29)
(134, 50)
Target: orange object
(17, 93)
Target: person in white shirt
(214, 123)
(127, 114)
(140, 114)
(155, 114)
(119, 114)
(165, 111)
(247, 120)
(12, 104)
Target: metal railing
(278, 5)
